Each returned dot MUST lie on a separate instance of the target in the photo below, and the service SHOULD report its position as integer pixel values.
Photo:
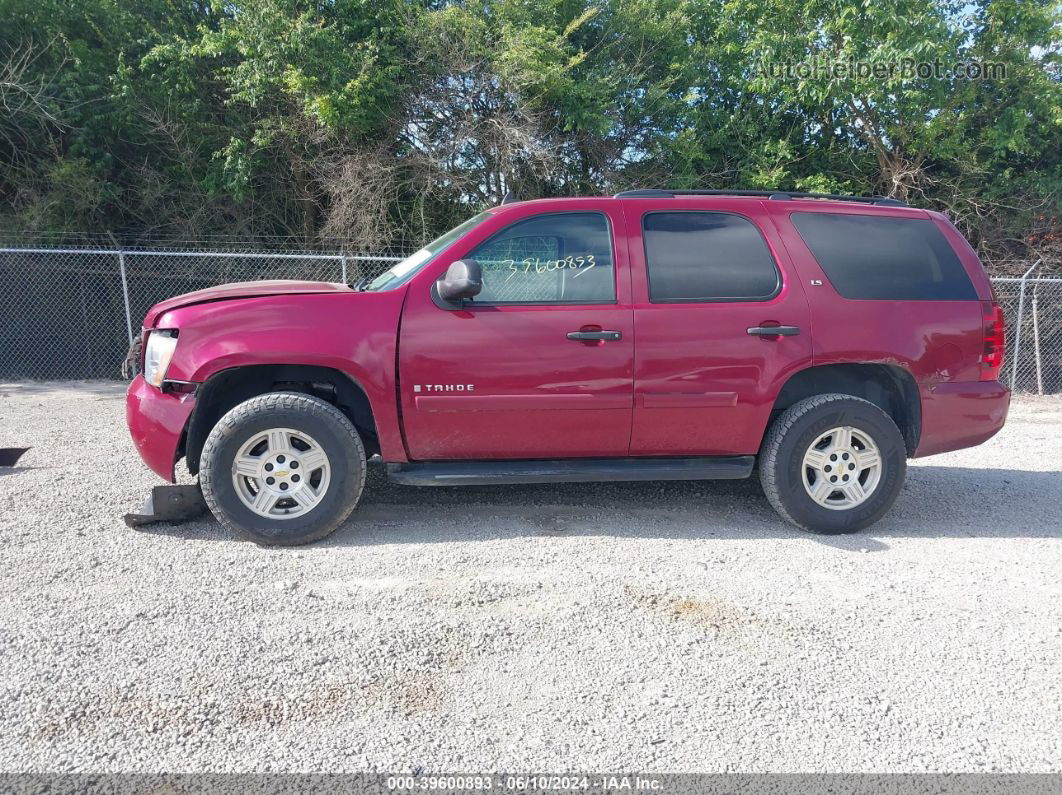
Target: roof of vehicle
(819, 201)
(776, 195)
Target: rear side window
(877, 257)
(694, 256)
(555, 258)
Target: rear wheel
(283, 468)
(833, 464)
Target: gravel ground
(661, 627)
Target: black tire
(325, 424)
(790, 437)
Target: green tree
(383, 122)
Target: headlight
(157, 355)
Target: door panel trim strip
(521, 402)
(686, 400)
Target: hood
(227, 292)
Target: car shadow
(99, 389)
(15, 470)
(936, 502)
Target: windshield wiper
(361, 284)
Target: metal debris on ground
(9, 456)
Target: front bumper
(156, 422)
(961, 414)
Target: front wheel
(833, 464)
(283, 468)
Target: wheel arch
(230, 387)
(888, 386)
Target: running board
(573, 470)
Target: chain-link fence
(1032, 307)
(70, 313)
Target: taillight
(995, 337)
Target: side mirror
(463, 279)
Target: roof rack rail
(778, 195)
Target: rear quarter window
(873, 257)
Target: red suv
(651, 335)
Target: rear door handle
(774, 331)
(594, 335)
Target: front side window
(403, 271)
(697, 256)
(872, 257)
(557, 258)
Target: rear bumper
(156, 422)
(961, 414)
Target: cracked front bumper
(156, 422)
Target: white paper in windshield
(409, 263)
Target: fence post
(343, 261)
(125, 288)
(1017, 327)
(1036, 339)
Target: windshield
(403, 271)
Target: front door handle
(774, 331)
(594, 335)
